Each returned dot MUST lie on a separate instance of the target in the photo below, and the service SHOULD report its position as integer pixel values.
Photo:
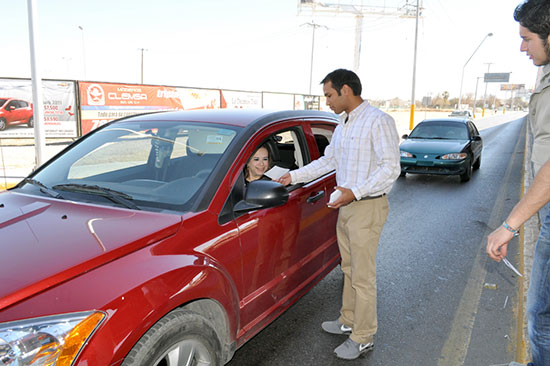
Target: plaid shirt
(364, 151)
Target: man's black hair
(342, 77)
(535, 16)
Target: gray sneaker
(335, 327)
(350, 350)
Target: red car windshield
(156, 164)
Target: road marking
(456, 346)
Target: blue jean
(538, 298)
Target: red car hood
(44, 241)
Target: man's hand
(497, 243)
(285, 180)
(346, 197)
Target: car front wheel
(182, 337)
(477, 164)
(464, 177)
(3, 124)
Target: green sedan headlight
(405, 154)
(54, 340)
(454, 156)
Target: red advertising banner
(103, 102)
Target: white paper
(335, 195)
(276, 172)
(509, 265)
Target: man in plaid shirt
(364, 151)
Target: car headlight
(454, 156)
(53, 340)
(405, 154)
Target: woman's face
(258, 164)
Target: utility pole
(142, 50)
(485, 95)
(313, 26)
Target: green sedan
(450, 146)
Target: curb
(527, 243)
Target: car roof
(235, 117)
(448, 119)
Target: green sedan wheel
(464, 177)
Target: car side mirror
(405, 136)
(262, 194)
(476, 138)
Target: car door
(12, 111)
(284, 247)
(477, 143)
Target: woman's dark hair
(535, 16)
(342, 77)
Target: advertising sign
(512, 86)
(103, 102)
(16, 109)
(306, 102)
(278, 101)
(241, 100)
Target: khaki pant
(358, 230)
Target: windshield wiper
(43, 188)
(115, 196)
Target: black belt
(372, 197)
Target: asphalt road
(441, 301)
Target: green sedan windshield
(440, 130)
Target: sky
(266, 45)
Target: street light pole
(37, 90)
(475, 97)
(83, 51)
(411, 122)
(464, 67)
(142, 50)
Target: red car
(14, 112)
(141, 244)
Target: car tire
(181, 333)
(402, 174)
(464, 177)
(3, 124)
(30, 122)
(477, 164)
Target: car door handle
(316, 197)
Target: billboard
(306, 102)
(241, 100)
(59, 114)
(278, 101)
(512, 86)
(103, 102)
